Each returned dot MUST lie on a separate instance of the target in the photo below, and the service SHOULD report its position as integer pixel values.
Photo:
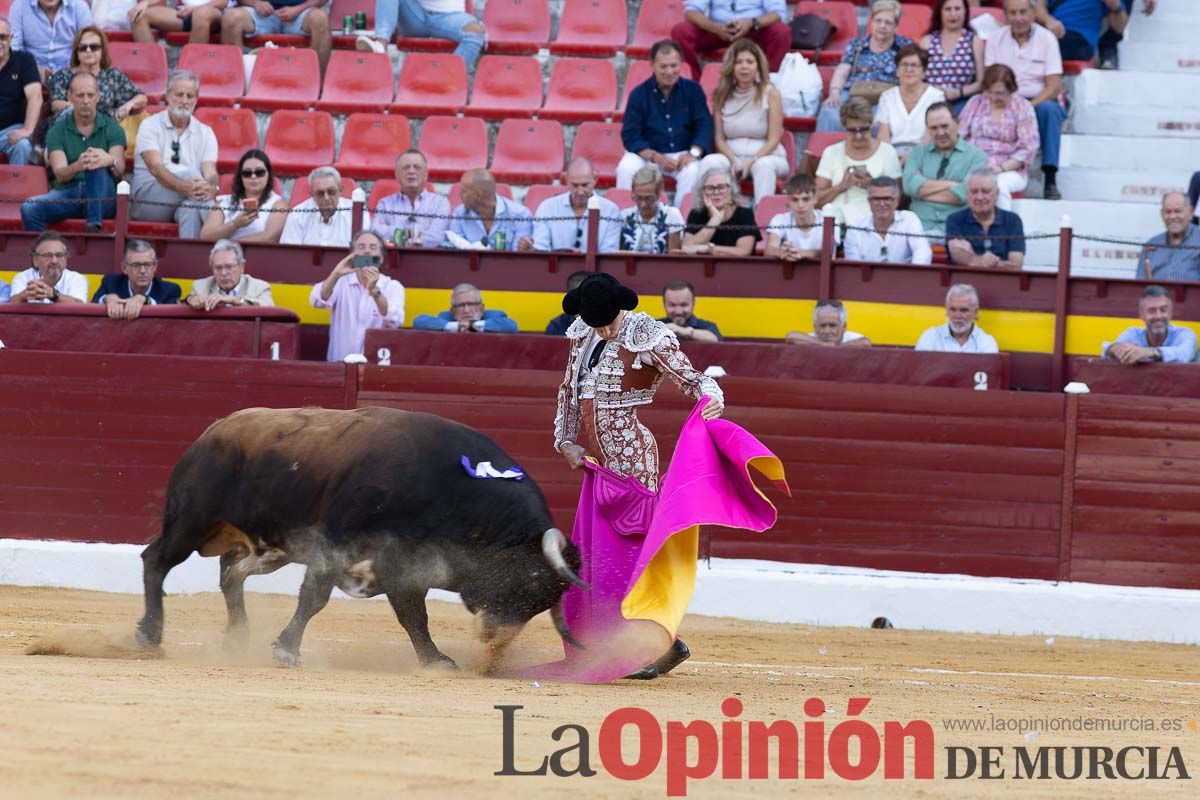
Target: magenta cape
(639, 548)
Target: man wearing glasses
(125, 293)
(49, 280)
(467, 315)
(935, 175)
(561, 221)
(175, 162)
(229, 285)
(326, 218)
(887, 234)
(20, 99)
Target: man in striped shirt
(1173, 255)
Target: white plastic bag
(799, 82)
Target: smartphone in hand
(361, 261)
(250, 204)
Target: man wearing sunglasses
(20, 98)
(935, 174)
(561, 221)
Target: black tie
(942, 167)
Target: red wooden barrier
(1105, 376)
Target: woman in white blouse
(901, 112)
(252, 212)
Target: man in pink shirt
(1031, 52)
(359, 297)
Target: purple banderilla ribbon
(484, 469)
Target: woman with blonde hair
(747, 120)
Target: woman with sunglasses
(252, 212)
(847, 167)
(720, 224)
(119, 97)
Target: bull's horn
(552, 547)
(560, 624)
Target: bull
(375, 501)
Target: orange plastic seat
(580, 89)
(539, 192)
(370, 144)
(236, 131)
(506, 86)
(453, 145)
(220, 69)
(654, 22)
(516, 26)
(591, 28)
(356, 82)
(299, 141)
(528, 151)
(286, 77)
(600, 143)
(18, 184)
(144, 64)
(431, 83)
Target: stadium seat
(18, 184)
(638, 72)
(370, 144)
(516, 26)
(995, 13)
(455, 196)
(528, 151)
(768, 207)
(300, 191)
(505, 87)
(453, 145)
(842, 16)
(622, 197)
(144, 64)
(819, 141)
(356, 82)
(286, 77)
(220, 69)
(591, 28)
(431, 83)
(914, 20)
(600, 143)
(580, 89)
(299, 141)
(709, 78)
(654, 22)
(684, 204)
(539, 192)
(1076, 67)
(236, 131)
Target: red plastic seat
(299, 141)
(431, 83)
(300, 191)
(370, 144)
(654, 22)
(914, 20)
(996, 13)
(539, 192)
(709, 79)
(821, 140)
(516, 26)
(220, 69)
(622, 197)
(528, 151)
(580, 89)
(286, 77)
(18, 184)
(144, 64)
(356, 82)
(842, 16)
(236, 131)
(455, 196)
(636, 73)
(506, 86)
(1076, 67)
(453, 145)
(684, 204)
(600, 143)
(768, 207)
(591, 28)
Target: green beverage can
(400, 236)
(501, 239)
(360, 20)
(347, 25)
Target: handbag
(810, 32)
(868, 90)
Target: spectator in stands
(401, 210)
(984, 235)
(175, 163)
(846, 167)
(325, 219)
(720, 224)
(252, 211)
(748, 125)
(87, 156)
(199, 19)
(1109, 40)
(558, 326)
(935, 174)
(118, 96)
(20, 98)
(359, 297)
(1161, 262)
(955, 53)
(5, 292)
(49, 280)
(124, 293)
(491, 219)
(667, 123)
(829, 328)
(46, 29)
(716, 24)
(797, 233)
(960, 334)
(437, 19)
(229, 284)
(274, 17)
(650, 226)
(1158, 340)
(1031, 52)
(1003, 125)
(467, 314)
(1077, 24)
(561, 221)
(679, 303)
(887, 234)
(901, 112)
(868, 66)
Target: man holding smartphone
(358, 296)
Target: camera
(365, 261)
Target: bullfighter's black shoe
(678, 654)
(644, 674)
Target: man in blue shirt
(46, 28)
(1077, 24)
(288, 17)
(466, 315)
(1160, 260)
(679, 301)
(983, 235)
(491, 219)
(1159, 340)
(666, 123)
(714, 24)
(561, 221)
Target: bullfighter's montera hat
(599, 299)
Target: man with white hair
(175, 161)
(1162, 262)
(561, 221)
(326, 219)
(960, 333)
(982, 234)
(229, 285)
(887, 234)
(829, 328)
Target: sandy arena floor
(360, 719)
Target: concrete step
(1122, 152)
(1133, 222)
(1137, 56)
(1120, 185)
(1167, 9)
(1130, 121)
(1163, 26)
(1176, 90)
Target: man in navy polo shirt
(982, 235)
(679, 302)
(20, 98)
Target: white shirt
(905, 241)
(197, 145)
(225, 203)
(564, 233)
(785, 227)
(443, 6)
(71, 284)
(907, 127)
(306, 225)
(939, 339)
